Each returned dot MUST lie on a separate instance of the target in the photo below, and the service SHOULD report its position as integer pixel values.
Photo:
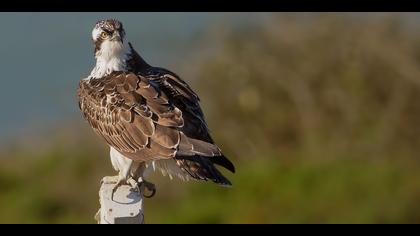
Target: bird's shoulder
(170, 83)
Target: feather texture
(152, 115)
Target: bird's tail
(202, 168)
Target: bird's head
(109, 38)
(111, 47)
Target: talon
(116, 186)
(150, 187)
(151, 195)
(114, 189)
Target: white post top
(126, 208)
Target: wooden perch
(126, 208)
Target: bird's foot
(139, 186)
(120, 181)
(134, 184)
(116, 180)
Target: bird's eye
(104, 34)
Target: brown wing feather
(195, 140)
(125, 109)
(152, 116)
(187, 102)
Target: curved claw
(120, 182)
(151, 187)
(114, 189)
(151, 195)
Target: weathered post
(125, 208)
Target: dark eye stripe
(107, 31)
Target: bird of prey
(149, 116)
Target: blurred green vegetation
(318, 112)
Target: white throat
(111, 57)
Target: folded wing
(152, 116)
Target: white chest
(111, 57)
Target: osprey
(149, 116)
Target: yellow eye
(104, 34)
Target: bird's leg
(122, 178)
(142, 183)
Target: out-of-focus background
(320, 112)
